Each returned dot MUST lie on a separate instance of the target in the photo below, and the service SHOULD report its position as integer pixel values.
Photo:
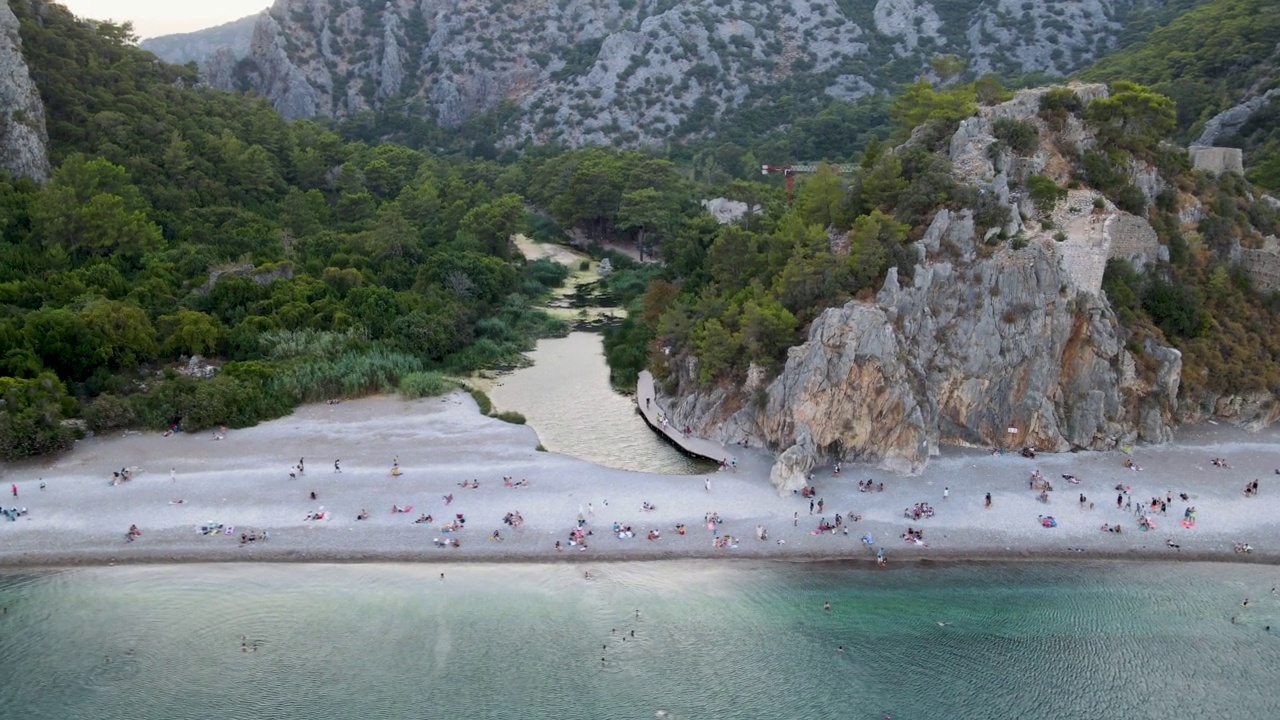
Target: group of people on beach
(921, 511)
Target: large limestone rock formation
(23, 138)
(969, 350)
(989, 344)
(596, 71)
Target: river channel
(566, 398)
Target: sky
(162, 17)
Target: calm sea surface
(566, 397)
(712, 640)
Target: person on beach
(336, 467)
(946, 491)
(820, 504)
(707, 484)
(810, 504)
(988, 503)
(826, 606)
(173, 475)
(15, 490)
(795, 519)
(300, 464)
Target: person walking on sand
(707, 484)
(336, 467)
(988, 503)
(795, 519)
(945, 492)
(300, 463)
(173, 475)
(810, 506)
(15, 490)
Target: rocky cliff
(23, 139)
(988, 345)
(639, 71)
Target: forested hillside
(183, 221)
(742, 295)
(1208, 60)
(309, 260)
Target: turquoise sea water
(712, 640)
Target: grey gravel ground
(243, 481)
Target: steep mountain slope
(23, 138)
(1221, 63)
(1050, 270)
(641, 71)
(233, 37)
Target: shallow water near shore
(712, 639)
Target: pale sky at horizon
(163, 17)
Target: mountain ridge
(640, 72)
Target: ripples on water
(713, 640)
(565, 396)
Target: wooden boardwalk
(650, 410)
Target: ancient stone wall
(1263, 266)
(1216, 160)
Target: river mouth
(566, 397)
(565, 394)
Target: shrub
(1021, 136)
(424, 384)
(547, 273)
(1057, 104)
(109, 412)
(1131, 200)
(1044, 191)
(510, 416)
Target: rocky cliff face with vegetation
(638, 71)
(23, 139)
(989, 343)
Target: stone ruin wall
(1216, 160)
(1263, 266)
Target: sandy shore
(243, 481)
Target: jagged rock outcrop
(1229, 121)
(591, 71)
(23, 138)
(970, 349)
(988, 345)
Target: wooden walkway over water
(653, 413)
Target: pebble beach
(242, 482)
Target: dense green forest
(315, 261)
(181, 221)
